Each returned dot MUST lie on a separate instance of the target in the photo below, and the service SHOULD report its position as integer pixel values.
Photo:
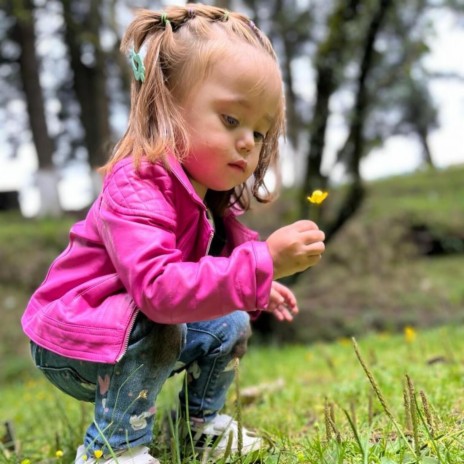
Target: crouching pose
(161, 277)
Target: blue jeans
(124, 393)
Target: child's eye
(259, 137)
(229, 120)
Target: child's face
(228, 115)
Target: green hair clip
(164, 19)
(137, 65)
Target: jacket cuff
(264, 273)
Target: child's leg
(209, 357)
(124, 393)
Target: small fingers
(312, 236)
(304, 225)
(282, 313)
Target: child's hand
(295, 247)
(282, 302)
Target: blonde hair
(181, 42)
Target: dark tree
(23, 33)
(353, 148)
(88, 62)
(329, 62)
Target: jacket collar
(178, 171)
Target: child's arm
(169, 290)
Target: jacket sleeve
(141, 242)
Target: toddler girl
(160, 277)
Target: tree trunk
(118, 58)
(353, 148)
(427, 154)
(24, 33)
(329, 63)
(293, 119)
(89, 79)
(47, 182)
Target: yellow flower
(26, 461)
(409, 334)
(317, 197)
(98, 453)
(143, 394)
(59, 454)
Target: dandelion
(316, 198)
(143, 394)
(98, 453)
(409, 334)
(59, 454)
(344, 341)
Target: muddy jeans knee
(208, 358)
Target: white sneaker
(219, 437)
(137, 455)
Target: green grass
(316, 378)
(371, 278)
(28, 246)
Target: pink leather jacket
(143, 246)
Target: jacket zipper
(210, 240)
(127, 336)
(134, 316)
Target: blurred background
(375, 107)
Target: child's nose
(246, 142)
